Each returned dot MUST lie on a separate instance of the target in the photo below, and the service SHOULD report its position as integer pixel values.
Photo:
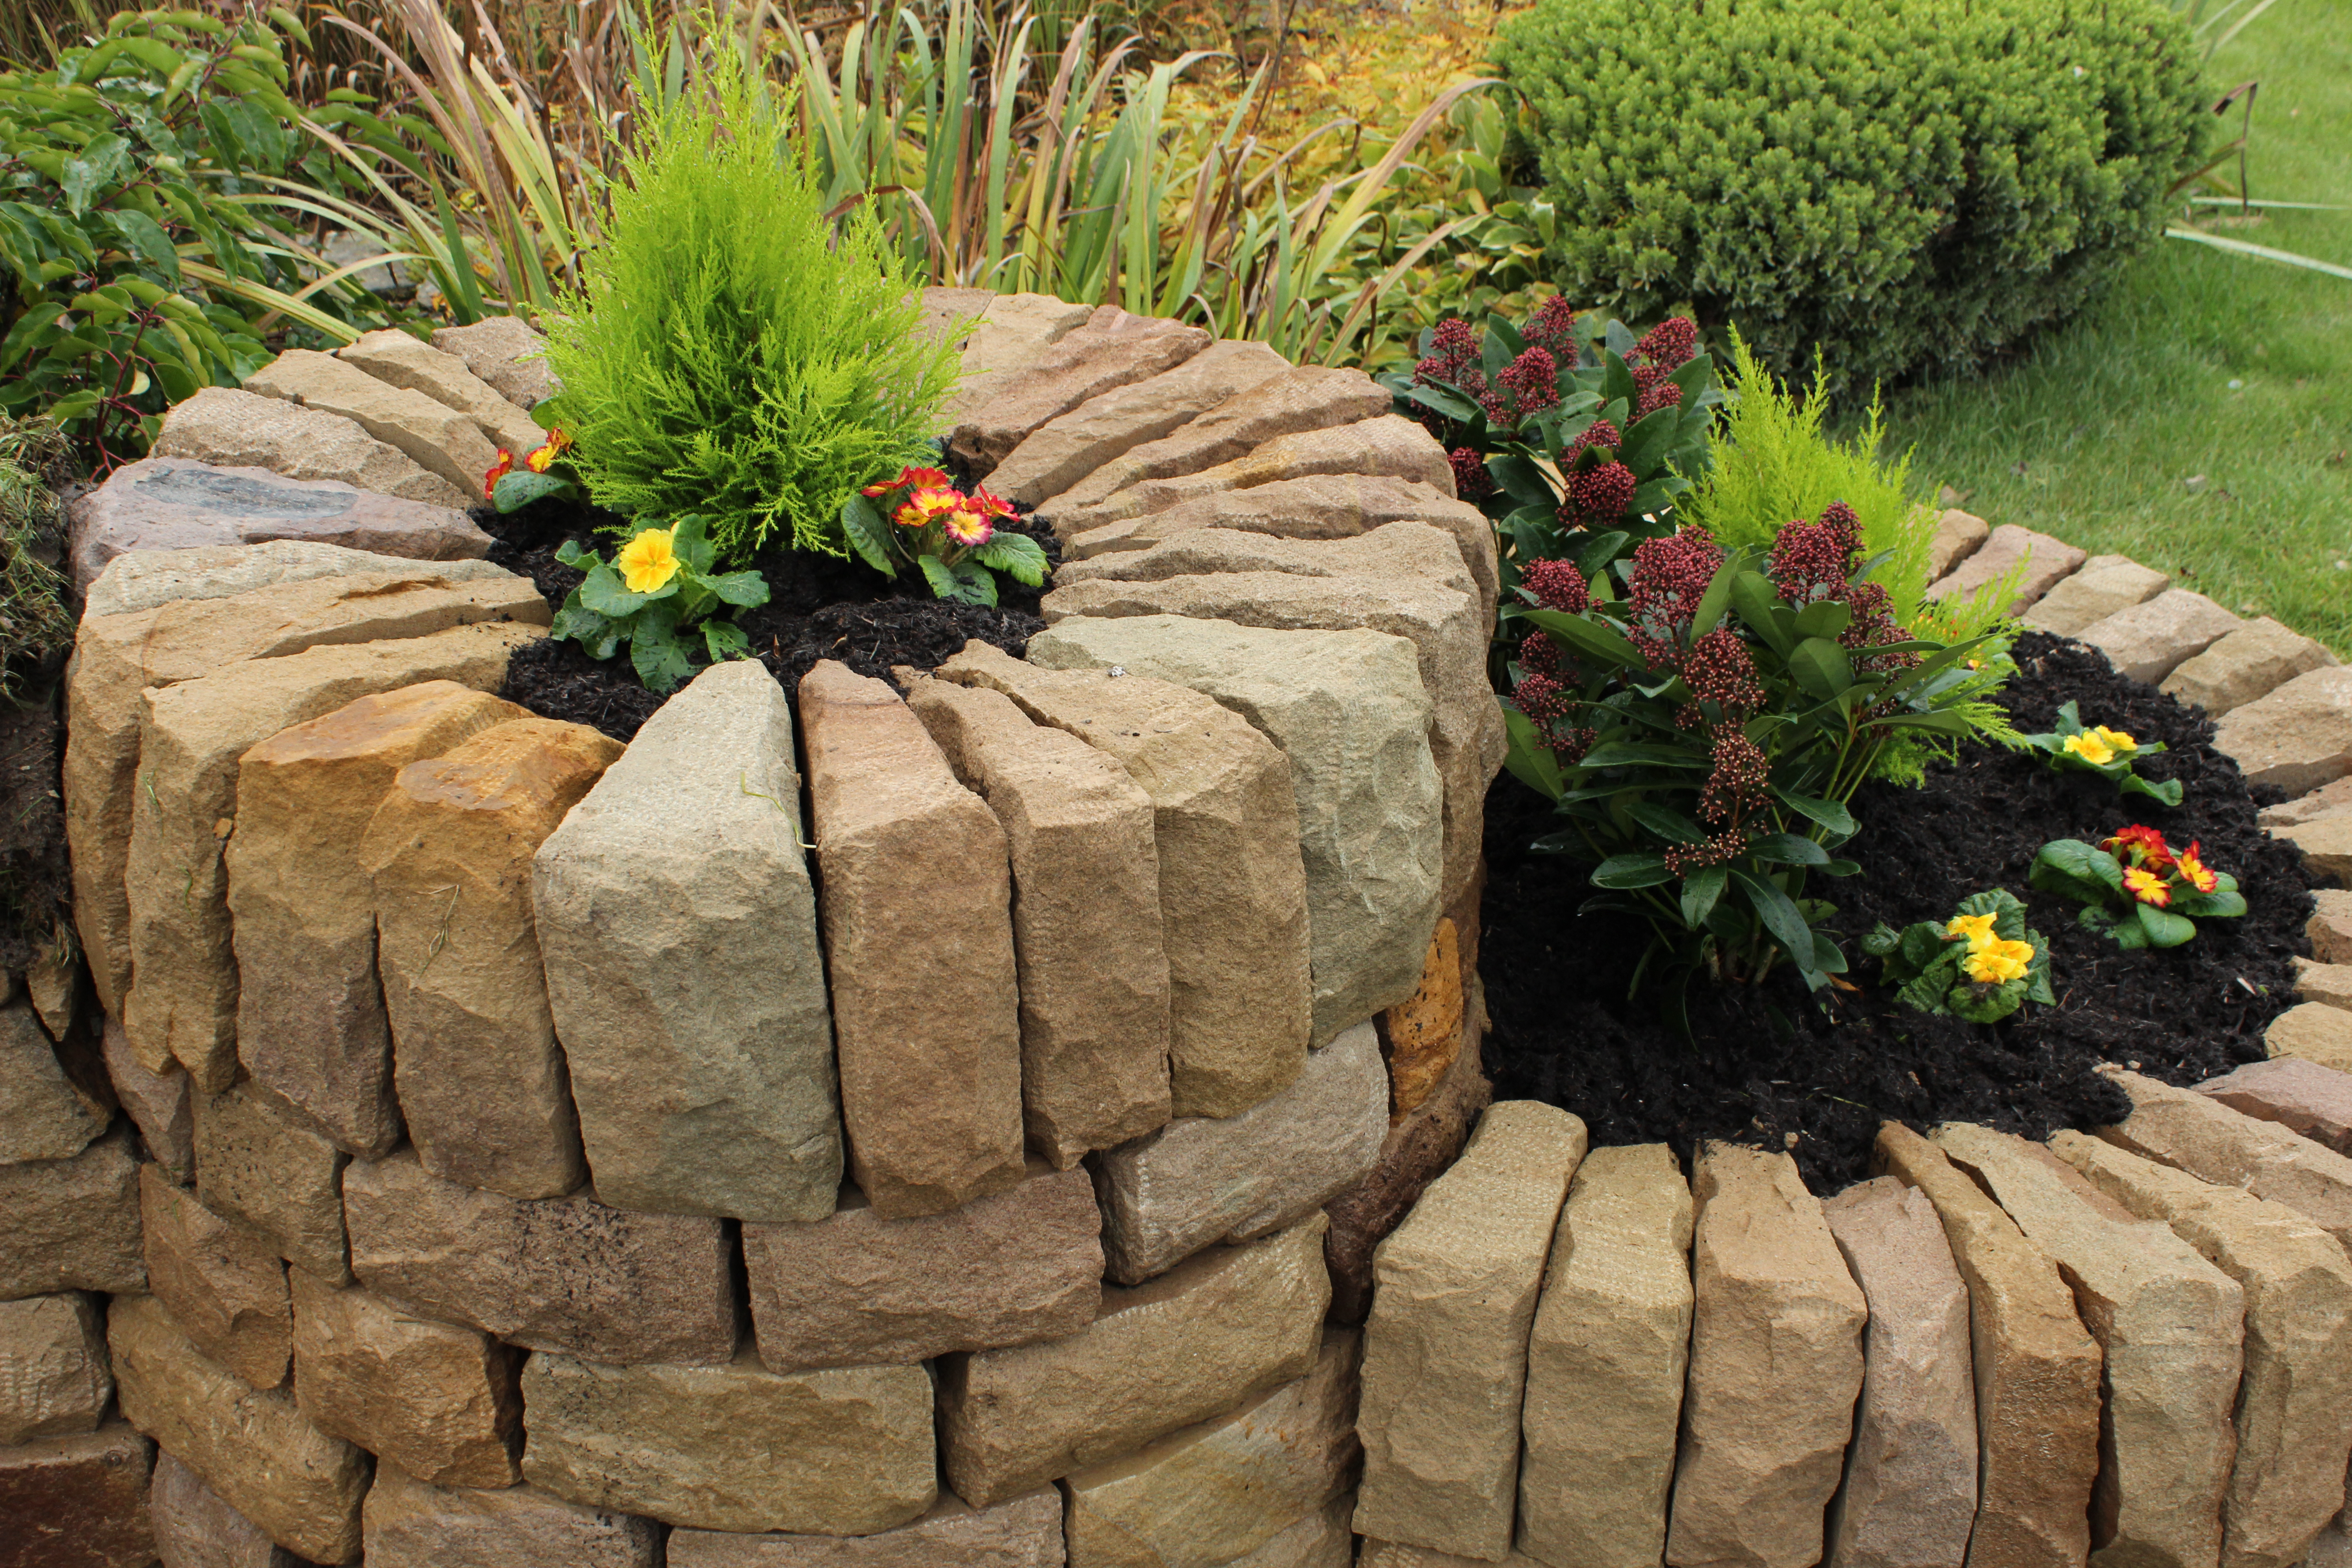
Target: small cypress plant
(730, 352)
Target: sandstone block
(194, 1526)
(159, 1104)
(1012, 333)
(2298, 737)
(2149, 641)
(2105, 584)
(255, 1448)
(1396, 1555)
(1026, 1532)
(395, 359)
(954, 312)
(1220, 1490)
(146, 578)
(928, 1032)
(2327, 982)
(53, 1378)
(2201, 1135)
(2326, 845)
(1606, 1356)
(77, 1501)
(1910, 1490)
(2254, 660)
(1087, 935)
(436, 436)
(1424, 1030)
(1445, 1347)
(2287, 1480)
(1232, 895)
(737, 1448)
(228, 429)
(2171, 1325)
(53, 983)
(1957, 537)
(438, 1401)
(1776, 1364)
(565, 1274)
(1070, 446)
(2313, 1032)
(73, 1224)
(1199, 1180)
(2325, 801)
(310, 1024)
(259, 1168)
(225, 1286)
(505, 352)
(858, 1290)
(1323, 1539)
(182, 1003)
(2041, 562)
(2300, 1096)
(717, 1096)
(2330, 926)
(1113, 349)
(1220, 1328)
(411, 1524)
(481, 1078)
(1349, 711)
(47, 1112)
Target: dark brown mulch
(1767, 1063)
(36, 879)
(818, 607)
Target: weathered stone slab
(505, 352)
(54, 1379)
(1958, 536)
(1396, 1555)
(2149, 641)
(858, 1290)
(1218, 1491)
(1349, 711)
(159, 1104)
(1233, 894)
(2287, 1480)
(2253, 661)
(566, 1274)
(481, 1078)
(1200, 1181)
(182, 1003)
(2313, 1032)
(1088, 934)
(255, 1448)
(436, 1399)
(716, 1098)
(1606, 1357)
(395, 359)
(1015, 331)
(1319, 1539)
(954, 312)
(2327, 982)
(1220, 1328)
(2298, 737)
(195, 1527)
(2330, 926)
(927, 1033)
(1776, 1364)
(2300, 1096)
(2045, 562)
(2105, 584)
(2326, 844)
(259, 1168)
(45, 1111)
(53, 984)
(2171, 1325)
(1910, 1490)
(1024, 1532)
(311, 1028)
(1113, 349)
(78, 1501)
(2325, 801)
(1067, 448)
(236, 429)
(436, 436)
(2206, 1138)
(225, 1286)
(147, 578)
(737, 1448)
(73, 1224)
(410, 1523)
(1445, 1347)
(179, 503)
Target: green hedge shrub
(1902, 185)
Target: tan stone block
(1219, 1329)
(954, 312)
(53, 1378)
(73, 1224)
(1067, 448)
(1397, 1554)
(858, 1290)
(1012, 333)
(225, 1286)
(1086, 929)
(145, 579)
(2171, 1325)
(2325, 801)
(1319, 1539)
(2298, 737)
(182, 1003)
(1957, 537)
(254, 1448)
(257, 1166)
(78, 1501)
(1024, 1532)
(2105, 584)
(927, 1033)
(2036, 1371)
(2149, 641)
(1424, 1030)
(437, 437)
(2254, 660)
(160, 1104)
(310, 1014)
(54, 985)
(1445, 1347)
(2041, 562)
(2206, 1138)
(1112, 350)
(47, 1112)
(1606, 1357)
(563, 1274)
(411, 1524)
(2329, 928)
(439, 1402)
(2300, 1096)
(2326, 983)
(195, 1527)
(2326, 845)
(1233, 893)
(737, 1448)
(1776, 1365)
(505, 352)
(234, 428)
(480, 1076)
(2313, 1032)
(395, 359)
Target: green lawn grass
(2197, 417)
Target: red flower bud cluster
(1670, 343)
(1720, 670)
(1528, 384)
(1738, 781)
(1471, 480)
(1812, 561)
(1553, 327)
(1454, 359)
(1670, 576)
(1656, 395)
(1599, 494)
(1558, 586)
(1599, 433)
(1729, 845)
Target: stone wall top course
(435, 436)
(2300, 1096)
(143, 579)
(232, 429)
(1113, 349)
(2255, 659)
(2205, 1137)
(2044, 562)
(397, 359)
(505, 352)
(2297, 737)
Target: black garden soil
(1767, 1065)
(818, 607)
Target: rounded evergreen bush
(1902, 184)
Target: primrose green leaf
(2163, 928)
(868, 533)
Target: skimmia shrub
(1982, 964)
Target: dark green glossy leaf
(1632, 871)
(1820, 667)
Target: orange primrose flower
(2195, 871)
(929, 505)
(498, 470)
(968, 524)
(917, 478)
(2141, 845)
(540, 461)
(991, 505)
(2147, 886)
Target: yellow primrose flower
(1978, 929)
(2147, 887)
(2091, 749)
(1998, 961)
(2115, 740)
(646, 562)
